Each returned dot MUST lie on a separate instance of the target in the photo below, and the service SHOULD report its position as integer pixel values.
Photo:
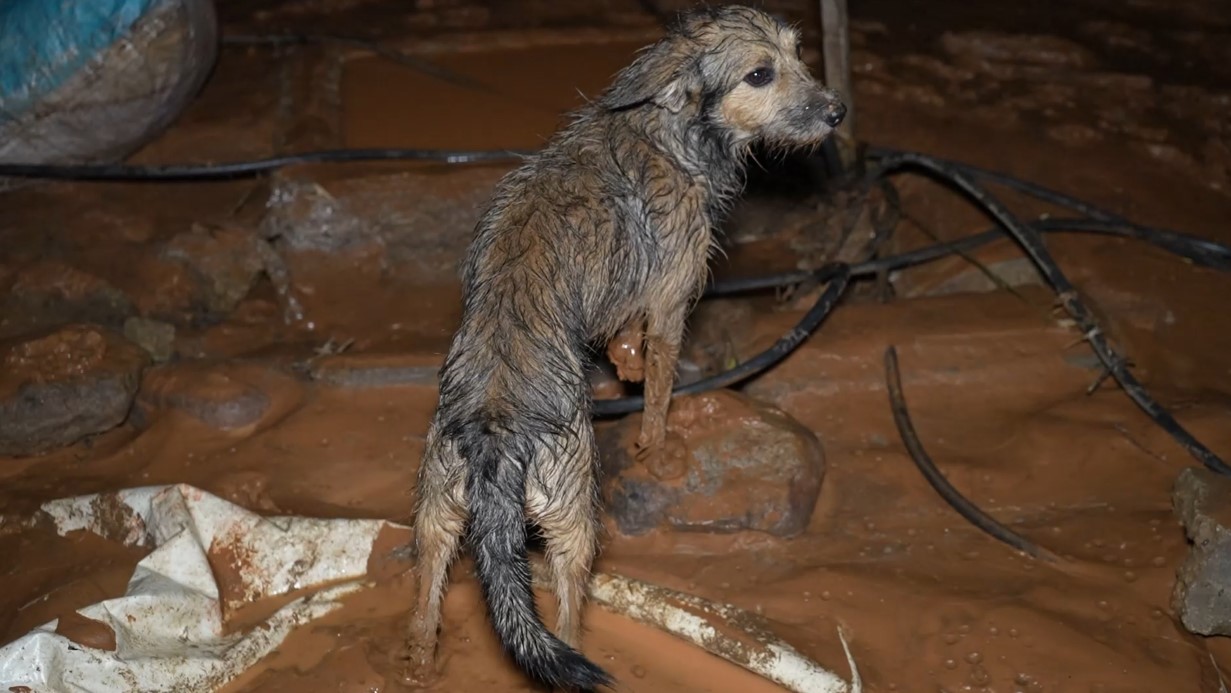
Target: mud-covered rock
(54, 293)
(416, 226)
(61, 386)
(303, 215)
(223, 396)
(732, 464)
(1202, 595)
(224, 262)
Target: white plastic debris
(169, 626)
(742, 639)
(169, 629)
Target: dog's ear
(661, 75)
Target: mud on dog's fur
(608, 228)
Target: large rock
(62, 386)
(201, 274)
(1202, 596)
(735, 464)
(157, 338)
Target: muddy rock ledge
(60, 386)
(732, 464)
(1202, 596)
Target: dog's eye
(760, 76)
(799, 50)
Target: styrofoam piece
(168, 626)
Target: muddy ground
(1123, 104)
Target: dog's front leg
(664, 332)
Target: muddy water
(996, 386)
(511, 99)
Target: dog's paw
(665, 457)
(413, 663)
(627, 354)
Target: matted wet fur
(608, 228)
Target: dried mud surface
(1121, 104)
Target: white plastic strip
(740, 639)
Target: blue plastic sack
(94, 80)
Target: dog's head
(739, 70)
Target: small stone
(224, 262)
(64, 385)
(157, 338)
(745, 466)
(1202, 501)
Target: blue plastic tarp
(45, 42)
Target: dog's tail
(496, 493)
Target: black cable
(1206, 253)
(240, 169)
(964, 507)
(1034, 190)
(1033, 244)
(838, 276)
(1200, 251)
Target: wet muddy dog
(608, 229)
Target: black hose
(1034, 190)
(1032, 242)
(967, 509)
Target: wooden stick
(836, 49)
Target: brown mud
(1120, 104)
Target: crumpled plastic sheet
(168, 626)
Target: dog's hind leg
(567, 517)
(440, 520)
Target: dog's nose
(834, 113)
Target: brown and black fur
(610, 227)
